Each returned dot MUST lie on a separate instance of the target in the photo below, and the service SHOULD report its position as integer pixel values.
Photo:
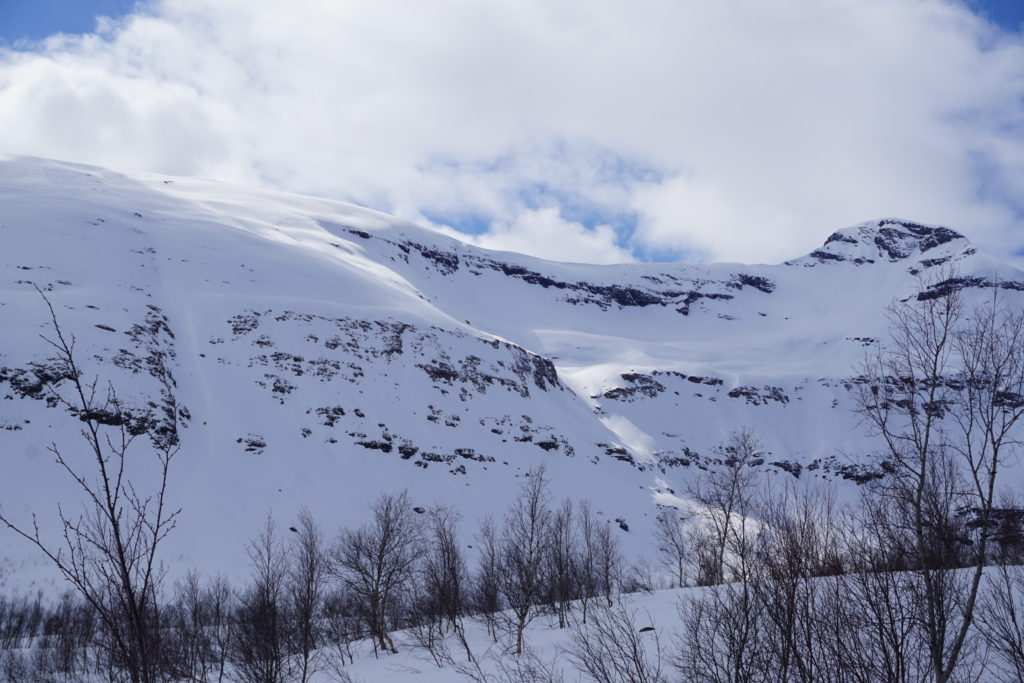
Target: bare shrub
(66, 649)
(798, 541)
(343, 627)
(188, 649)
(525, 667)
(1001, 617)
(617, 644)
(721, 641)
(20, 621)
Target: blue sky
(585, 130)
(1007, 13)
(35, 19)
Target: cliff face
(307, 352)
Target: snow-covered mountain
(316, 353)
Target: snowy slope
(318, 353)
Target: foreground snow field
(547, 644)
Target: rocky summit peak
(890, 240)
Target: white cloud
(741, 130)
(545, 233)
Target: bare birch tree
(724, 498)
(486, 590)
(110, 550)
(673, 543)
(305, 588)
(523, 548)
(562, 561)
(259, 646)
(946, 397)
(376, 563)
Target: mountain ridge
(323, 353)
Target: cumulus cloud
(580, 129)
(545, 233)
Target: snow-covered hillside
(317, 353)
